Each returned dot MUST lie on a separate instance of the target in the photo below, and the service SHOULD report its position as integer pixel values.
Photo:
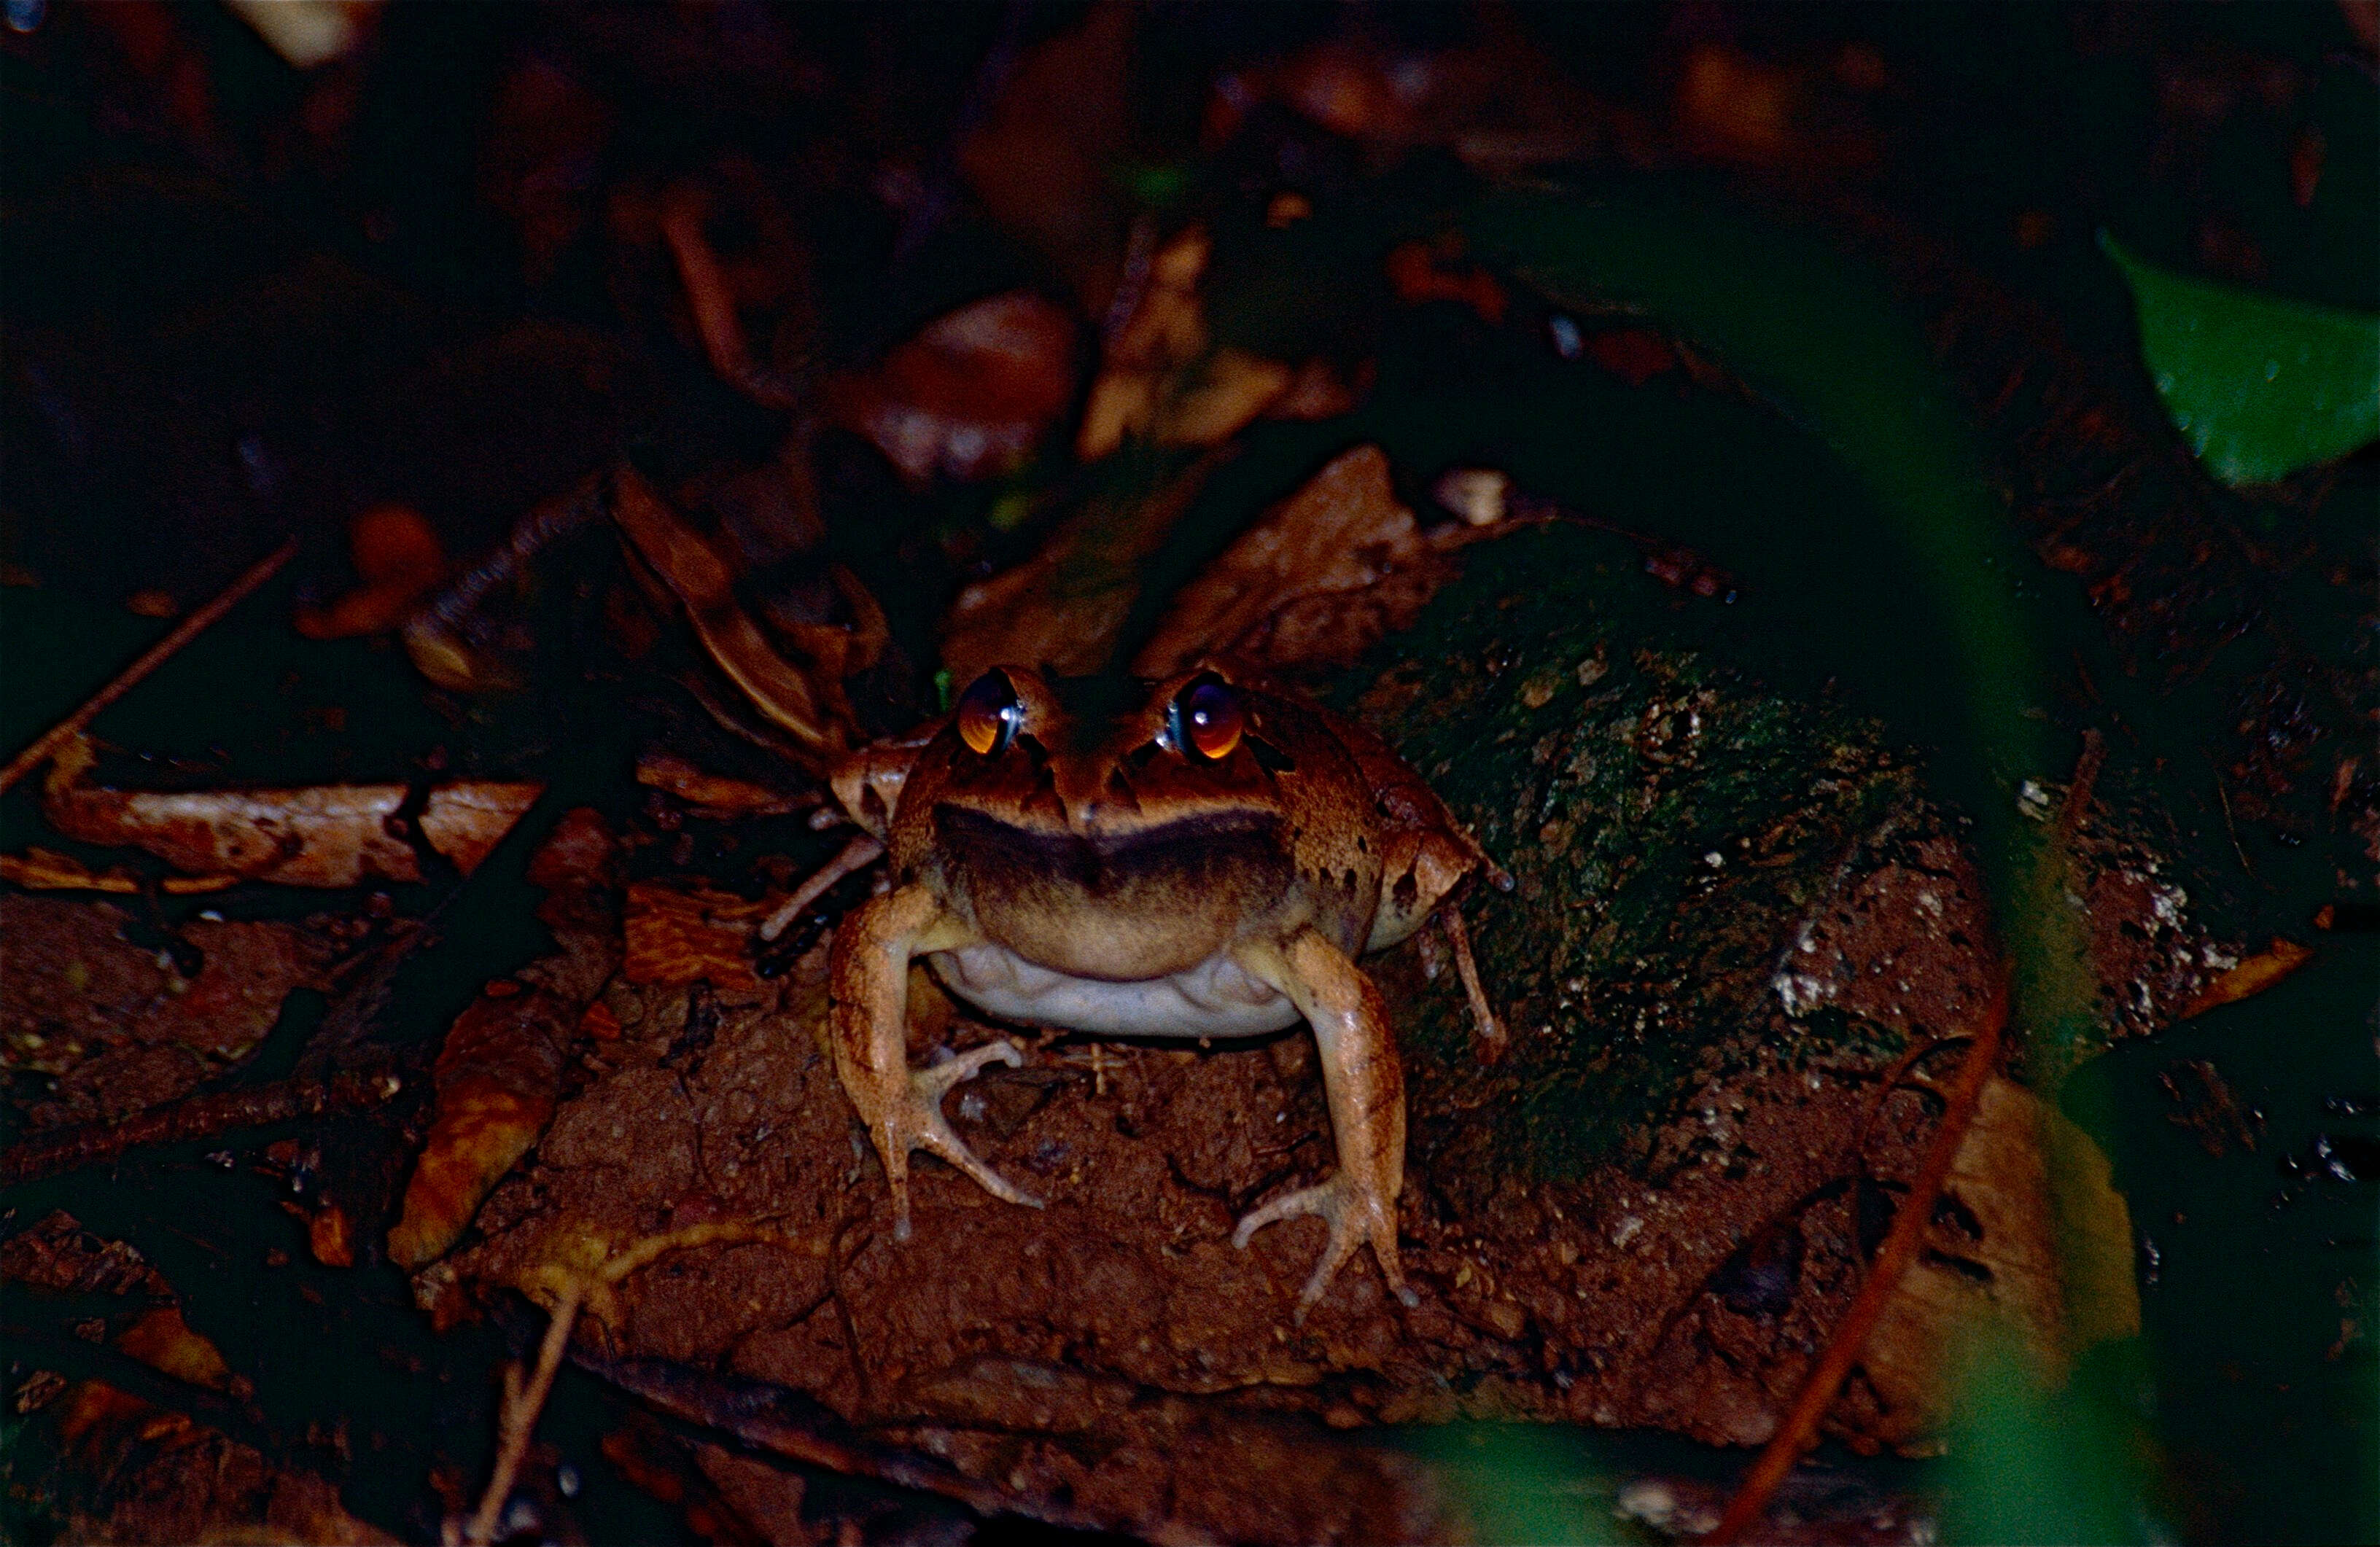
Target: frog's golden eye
(1206, 720)
(989, 714)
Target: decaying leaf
(39, 869)
(400, 562)
(155, 1475)
(2253, 976)
(331, 834)
(1064, 608)
(1160, 379)
(699, 936)
(1043, 160)
(1423, 272)
(714, 795)
(2029, 1230)
(804, 696)
(1323, 576)
(498, 1077)
(972, 394)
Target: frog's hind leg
(869, 984)
(1364, 1087)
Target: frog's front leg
(867, 976)
(1364, 1087)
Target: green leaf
(2260, 386)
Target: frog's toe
(934, 1082)
(929, 1130)
(1356, 1214)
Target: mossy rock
(1666, 820)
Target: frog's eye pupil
(1208, 719)
(988, 713)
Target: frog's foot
(918, 1124)
(1356, 1214)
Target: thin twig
(1900, 1243)
(200, 1117)
(860, 851)
(1900, 1248)
(576, 1286)
(519, 1419)
(149, 660)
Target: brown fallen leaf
(1323, 576)
(680, 937)
(1042, 161)
(1064, 608)
(2030, 1230)
(2253, 976)
(971, 395)
(1426, 271)
(400, 562)
(1159, 378)
(330, 1238)
(39, 869)
(498, 1077)
(329, 835)
(714, 795)
(804, 696)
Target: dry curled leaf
(713, 794)
(331, 834)
(678, 938)
(2253, 976)
(498, 1077)
(1159, 378)
(1064, 608)
(2029, 1229)
(972, 394)
(399, 561)
(804, 696)
(1321, 578)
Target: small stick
(198, 1117)
(861, 850)
(1900, 1243)
(1483, 1014)
(149, 660)
(522, 1404)
(1892, 1259)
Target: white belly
(1216, 997)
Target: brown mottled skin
(1090, 874)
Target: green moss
(1669, 824)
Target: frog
(1204, 856)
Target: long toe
(934, 1082)
(1289, 1205)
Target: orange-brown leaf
(324, 836)
(2249, 977)
(498, 1076)
(400, 561)
(972, 394)
(680, 937)
(712, 794)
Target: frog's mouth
(1201, 851)
(1138, 904)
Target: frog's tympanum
(1205, 861)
